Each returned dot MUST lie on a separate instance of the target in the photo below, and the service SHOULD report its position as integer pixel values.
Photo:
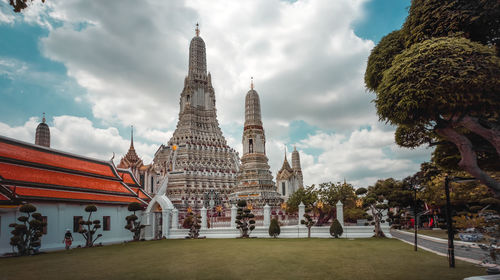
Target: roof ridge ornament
(197, 30)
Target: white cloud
(307, 62)
(361, 157)
(308, 65)
(79, 136)
(5, 15)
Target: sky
(97, 67)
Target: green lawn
(359, 259)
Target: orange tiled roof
(40, 173)
(34, 193)
(128, 178)
(142, 195)
(18, 174)
(3, 197)
(18, 151)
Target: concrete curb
(440, 240)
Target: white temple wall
(60, 217)
(298, 231)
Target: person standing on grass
(68, 239)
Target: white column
(267, 215)
(302, 211)
(175, 218)
(233, 216)
(165, 222)
(340, 213)
(203, 218)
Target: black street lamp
(451, 248)
(415, 217)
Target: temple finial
(43, 119)
(197, 29)
(251, 83)
(131, 136)
(285, 151)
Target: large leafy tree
(329, 195)
(438, 78)
(384, 194)
(307, 195)
(19, 5)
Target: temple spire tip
(251, 83)
(197, 30)
(131, 136)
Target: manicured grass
(240, 259)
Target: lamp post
(415, 226)
(451, 248)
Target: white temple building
(290, 179)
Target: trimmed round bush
(336, 229)
(274, 228)
(90, 208)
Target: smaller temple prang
(255, 181)
(42, 134)
(289, 179)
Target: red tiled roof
(24, 174)
(4, 198)
(33, 193)
(127, 177)
(132, 183)
(142, 195)
(30, 153)
(38, 173)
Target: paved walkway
(460, 250)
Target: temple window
(76, 223)
(283, 188)
(250, 145)
(44, 229)
(106, 223)
(142, 180)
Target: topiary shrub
(188, 221)
(274, 228)
(194, 223)
(336, 229)
(27, 236)
(244, 219)
(133, 222)
(308, 222)
(92, 227)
